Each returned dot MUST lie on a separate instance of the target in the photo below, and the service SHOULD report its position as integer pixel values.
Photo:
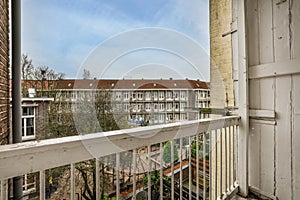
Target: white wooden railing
(204, 179)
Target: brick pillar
(221, 81)
(4, 72)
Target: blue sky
(63, 34)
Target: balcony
(183, 179)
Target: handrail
(40, 155)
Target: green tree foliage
(167, 153)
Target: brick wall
(4, 72)
(220, 52)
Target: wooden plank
(42, 185)
(254, 154)
(275, 69)
(267, 159)
(266, 45)
(4, 190)
(267, 94)
(262, 113)
(253, 36)
(283, 138)
(295, 17)
(243, 100)
(296, 157)
(296, 137)
(72, 179)
(281, 30)
(254, 91)
(267, 122)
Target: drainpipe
(16, 87)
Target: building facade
(150, 101)
(34, 118)
(4, 72)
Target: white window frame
(126, 96)
(155, 95)
(182, 105)
(26, 118)
(118, 96)
(27, 189)
(169, 95)
(182, 94)
(147, 106)
(148, 95)
(169, 106)
(161, 94)
(161, 106)
(140, 95)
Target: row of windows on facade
(142, 95)
(148, 107)
(159, 118)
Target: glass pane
(24, 111)
(29, 131)
(30, 122)
(30, 110)
(23, 127)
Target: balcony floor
(251, 197)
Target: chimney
(31, 92)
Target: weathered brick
(4, 72)
(220, 51)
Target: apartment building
(34, 117)
(150, 101)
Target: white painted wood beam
(45, 154)
(243, 99)
(275, 69)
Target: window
(183, 116)
(133, 95)
(176, 94)
(28, 124)
(161, 117)
(170, 117)
(182, 105)
(147, 106)
(176, 106)
(169, 95)
(169, 106)
(182, 94)
(161, 95)
(118, 95)
(156, 118)
(29, 183)
(126, 96)
(161, 106)
(140, 107)
(140, 95)
(126, 107)
(148, 95)
(156, 106)
(155, 95)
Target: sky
(118, 38)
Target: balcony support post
(243, 100)
(16, 88)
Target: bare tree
(86, 74)
(41, 78)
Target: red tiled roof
(69, 84)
